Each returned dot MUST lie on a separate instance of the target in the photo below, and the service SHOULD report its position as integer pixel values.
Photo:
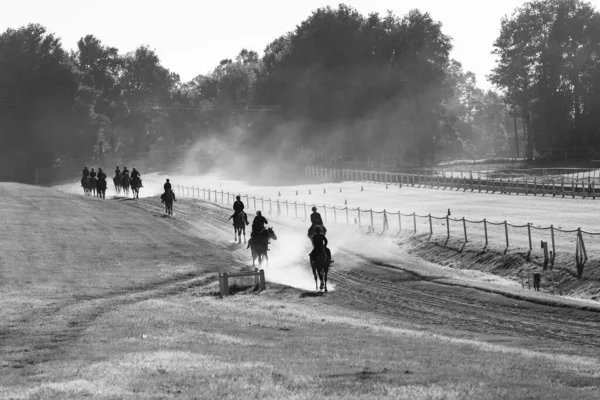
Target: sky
(192, 36)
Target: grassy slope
(142, 320)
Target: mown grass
(278, 345)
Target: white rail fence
(498, 235)
(555, 185)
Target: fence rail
(555, 185)
(385, 222)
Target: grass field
(109, 299)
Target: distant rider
(86, 172)
(167, 186)
(101, 174)
(238, 207)
(117, 173)
(125, 176)
(136, 175)
(320, 242)
(316, 220)
(92, 174)
(258, 224)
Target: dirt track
(367, 285)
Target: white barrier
(259, 279)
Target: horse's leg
(315, 275)
(244, 231)
(325, 272)
(321, 278)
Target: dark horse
(136, 183)
(117, 183)
(239, 227)
(320, 266)
(101, 187)
(93, 183)
(168, 197)
(259, 245)
(85, 184)
(125, 184)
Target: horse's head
(271, 233)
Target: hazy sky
(191, 37)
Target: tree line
(341, 83)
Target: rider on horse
(117, 173)
(315, 220)
(168, 188)
(258, 225)
(92, 174)
(238, 207)
(319, 242)
(86, 172)
(101, 174)
(135, 175)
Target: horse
(320, 266)
(101, 188)
(125, 184)
(136, 183)
(93, 182)
(117, 183)
(85, 184)
(168, 198)
(239, 227)
(259, 245)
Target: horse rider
(316, 220)
(101, 174)
(136, 175)
(167, 186)
(92, 174)
(320, 242)
(86, 172)
(258, 225)
(238, 207)
(117, 173)
(125, 176)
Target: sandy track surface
(363, 283)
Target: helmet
(237, 197)
(314, 209)
(318, 229)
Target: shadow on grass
(311, 294)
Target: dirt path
(365, 284)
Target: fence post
(296, 209)
(447, 228)
(506, 232)
(430, 227)
(334, 215)
(325, 212)
(385, 222)
(529, 234)
(287, 210)
(415, 221)
(347, 220)
(372, 226)
(485, 230)
(399, 221)
(553, 247)
(465, 229)
(359, 222)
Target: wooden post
(430, 227)
(529, 234)
(448, 227)
(485, 230)
(347, 219)
(465, 229)
(399, 221)
(372, 226)
(415, 221)
(506, 232)
(359, 221)
(263, 284)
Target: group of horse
(124, 183)
(259, 246)
(95, 186)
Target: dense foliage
(340, 83)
